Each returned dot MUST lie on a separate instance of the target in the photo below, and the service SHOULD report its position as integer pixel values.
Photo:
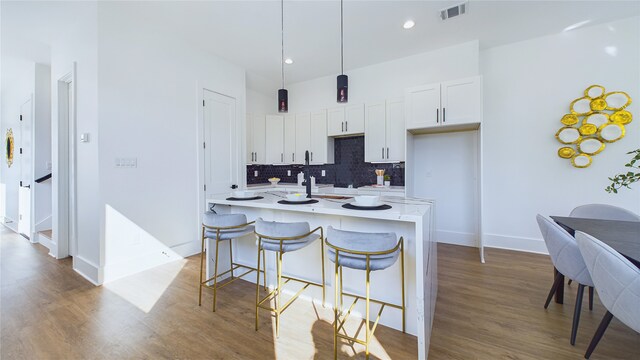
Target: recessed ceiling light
(409, 24)
(288, 61)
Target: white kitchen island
(410, 218)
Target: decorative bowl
(296, 197)
(367, 200)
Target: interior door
(275, 139)
(220, 150)
(303, 135)
(289, 138)
(26, 177)
(423, 106)
(396, 133)
(461, 101)
(374, 136)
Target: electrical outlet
(324, 173)
(255, 173)
(288, 172)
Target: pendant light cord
(282, 38)
(341, 39)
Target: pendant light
(343, 80)
(283, 94)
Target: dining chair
(567, 260)
(617, 282)
(604, 212)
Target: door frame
(32, 234)
(64, 155)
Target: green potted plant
(624, 180)
(387, 180)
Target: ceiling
(247, 33)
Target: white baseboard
(187, 249)
(516, 243)
(48, 243)
(87, 270)
(456, 238)
(10, 224)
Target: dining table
(622, 236)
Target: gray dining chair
(604, 212)
(567, 260)
(617, 282)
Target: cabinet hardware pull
(383, 153)
(281, 157)
(293, 157)
(346, 126)
(252, 156)
(255, 156)
(387, 153)
(437, 115)
(312, 156)
(444, 115)
(342, 126)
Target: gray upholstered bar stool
(223, 227)
(368, 252)
(282, 238)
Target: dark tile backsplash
(349, 168)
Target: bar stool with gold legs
(282, 238)
(222, 227)
(368, 252)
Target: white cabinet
(346, 120)
(320, 145)
(303, 136)
(454, 103)
(274, 136)
(290, 139)
(255, 139)
(384, 137)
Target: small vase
(387, 183)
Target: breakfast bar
(410, 218)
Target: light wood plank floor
(490, 311)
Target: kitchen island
(410, 218)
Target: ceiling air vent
(454, 11)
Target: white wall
(388, 79)
(527, 88)
(260, 103)
(149, 86)
(42, 148)
(79, 46)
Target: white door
(423, 106)
(289, 138)
(303, 136)
(396, 133)
(354, 119)
(220, 150)
(461, 101)
(374, 132)
(258, 133)
(24, 151)
(335, 121)
(319, 141)
(250, 154)
(275, 139)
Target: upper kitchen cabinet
(303, 136)
(274, 139)
(256, 139)
(321, 146)
(446, 106)
(384, 137)
(290, 139)
(346, 120)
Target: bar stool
(222, 227)
(368, 252)
(282, 238)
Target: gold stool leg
(264, 271)
(341, 296)
(335, 310)
(322, 265)
(367, 312)
(402, 279)
(231, 257)
(258, 280)
(202, 254)
(279, 293)
(215, 273)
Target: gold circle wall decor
(593, 120)
(9, 145)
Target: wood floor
(490, 311)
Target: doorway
(26, 163)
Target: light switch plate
(84, 137)
(324, 173)
(255, 173)
(288, 172)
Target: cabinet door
(289, 138)
(423, 106)
(396, 133)
(354, 119)
(259, 139)
(461, 101)
(303, 136)
(319, 138)
(249, 138)
(275, 139)
(335, 121)
(374, 132)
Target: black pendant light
(343, 80)
(283, 94)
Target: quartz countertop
(382, 188)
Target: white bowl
(274, 182)
(296, 197)
(243, 194)
(367, 200)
